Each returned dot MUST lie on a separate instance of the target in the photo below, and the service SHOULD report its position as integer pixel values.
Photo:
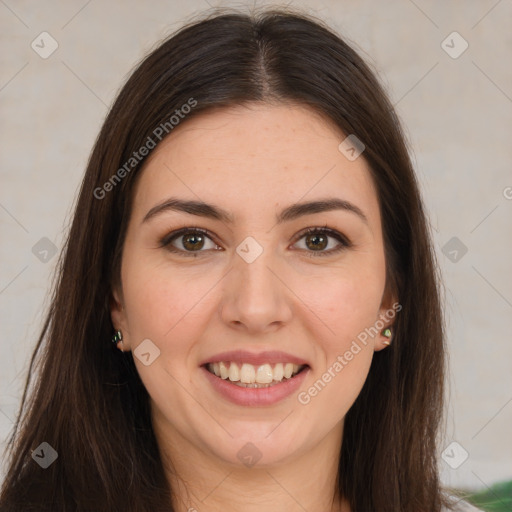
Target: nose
(256, 297)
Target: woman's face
(253, 283)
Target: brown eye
(317, 239)
(188, 241)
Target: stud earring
(387, 334)
(118, 337)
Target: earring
(387, 334)
(118, 337)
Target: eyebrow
(292, 212)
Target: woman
(250, 235)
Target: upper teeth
(247, 373)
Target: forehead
(251, 158)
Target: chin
(258, 451)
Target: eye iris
(316, 237)
(195, 239)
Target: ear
(388, 311)
(118, 317)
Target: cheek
(161, 302)
(332, 391)
(350, 312)
(347, 301)
(348, 308)
(170, 309)
(344, 352)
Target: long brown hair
(89, 403)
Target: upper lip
(256, 359)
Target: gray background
(457, 114)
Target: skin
(252, 161)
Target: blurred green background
(497, 498)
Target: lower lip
(256, 396)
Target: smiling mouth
(250, 376)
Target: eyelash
(165, 242)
